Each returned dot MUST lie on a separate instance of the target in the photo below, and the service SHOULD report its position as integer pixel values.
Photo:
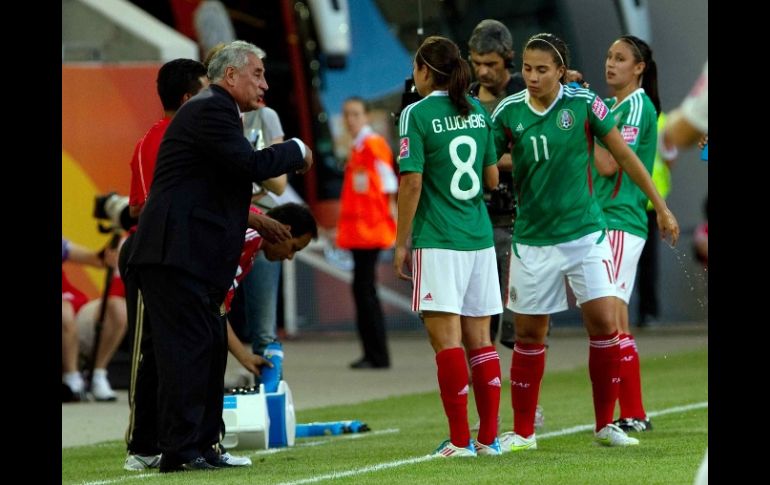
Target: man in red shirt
(178, 81)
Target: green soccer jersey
(621, 199)
(552, 153)
(450, 151)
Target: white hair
(233, 54)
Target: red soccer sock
(453, 384)
(527, 367)
(485, 373)
(604, 368)
(630, 395)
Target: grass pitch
(407, 428)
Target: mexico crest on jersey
(565, 119)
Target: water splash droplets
(694, 279)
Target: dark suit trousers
(190, 342)
(369, 317)
(142, 433)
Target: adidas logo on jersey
(519, 127)
(463, 391)
(427, 297)
(495, 382)
(623, 286)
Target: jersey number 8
(463, 168)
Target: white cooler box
(259, 420)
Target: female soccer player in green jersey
(560, 231)
(632, 76)
(445, 151)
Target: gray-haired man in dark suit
(187, 246)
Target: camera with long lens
(113, 208)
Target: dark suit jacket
(196, 213)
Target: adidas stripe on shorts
(626, 251)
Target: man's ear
(229, 76)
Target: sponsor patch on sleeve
(630, 134)
(599, 108)
(403, 148)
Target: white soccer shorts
(459, 282)
(626, 250)
(536, 276)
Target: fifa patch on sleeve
(599, 108)
(403, 148)
(629, 133)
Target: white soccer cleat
(511, 441)
(488, 450)
(135, 463)
(612, 435)
(231, 460)
(447, 449)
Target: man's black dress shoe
(198, 463)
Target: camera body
(500, 201)
(113, 208)
(409, 96)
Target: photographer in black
(491, 57)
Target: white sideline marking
(264, 452)
(121, 479)
(394, 464)
(586, 427)
(398, 463)
(360, 471)
(353, 436)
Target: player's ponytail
(448, 69)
